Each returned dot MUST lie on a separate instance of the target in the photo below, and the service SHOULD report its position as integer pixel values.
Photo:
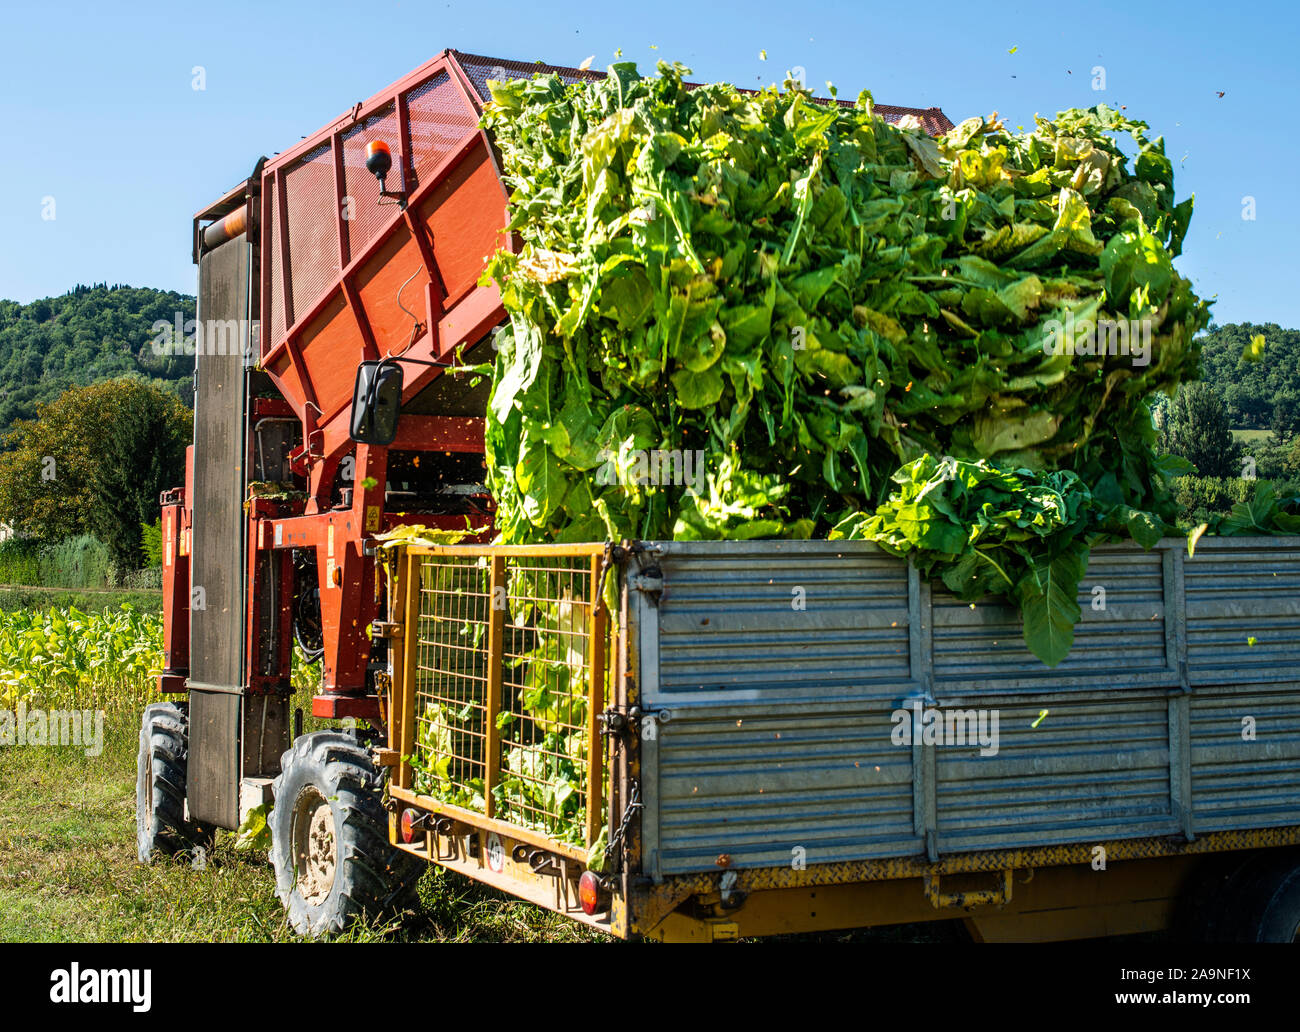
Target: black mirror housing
(376, 402)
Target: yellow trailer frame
(1010, 895)
(519, 856)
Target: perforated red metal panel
(367, 215)
(440, 118)
(310, 196)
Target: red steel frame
(453, 219)
(354, 320)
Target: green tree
(1252, 391)
(1286, 419)
(1197, 429)
(94, 461)
(89, 334)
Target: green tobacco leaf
(1146, 528)
(697, 390)
(254, 833)
(995, 434)
(1048, 596)
(1254, 516)
(541, 482)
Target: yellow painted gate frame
(407, 563)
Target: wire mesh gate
(498, 685)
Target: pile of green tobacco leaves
(740, 315)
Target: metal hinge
(977, 898)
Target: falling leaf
(762, 55)
(1041, 715)
(653, 47)
(1194, 537)
(586, 63)
(1013, 50)
(618, 52)
(1221, 92)
(1254, 351)
(1251, 641)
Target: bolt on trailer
(642, 735)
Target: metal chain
(618, 839)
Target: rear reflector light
(409, 830)
(590, 893)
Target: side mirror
(376, 402)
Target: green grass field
(68, 870)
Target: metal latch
(643, 723)
(650, 581)
(976, 898)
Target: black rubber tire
(1264, 902)
(160, 824)
(327, 800)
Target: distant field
(16, 596)
(1252, 435)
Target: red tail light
(590, 893)
(409, 830)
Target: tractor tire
(160, 824)
(1265, 906)
(329, 838)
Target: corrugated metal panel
(779, 664)
(770, 785)
(1243, 612)
(1245, 758)
(1123, 633)
(781, 726)
(1089, 770)
(782, 619)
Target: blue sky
(100, 113)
